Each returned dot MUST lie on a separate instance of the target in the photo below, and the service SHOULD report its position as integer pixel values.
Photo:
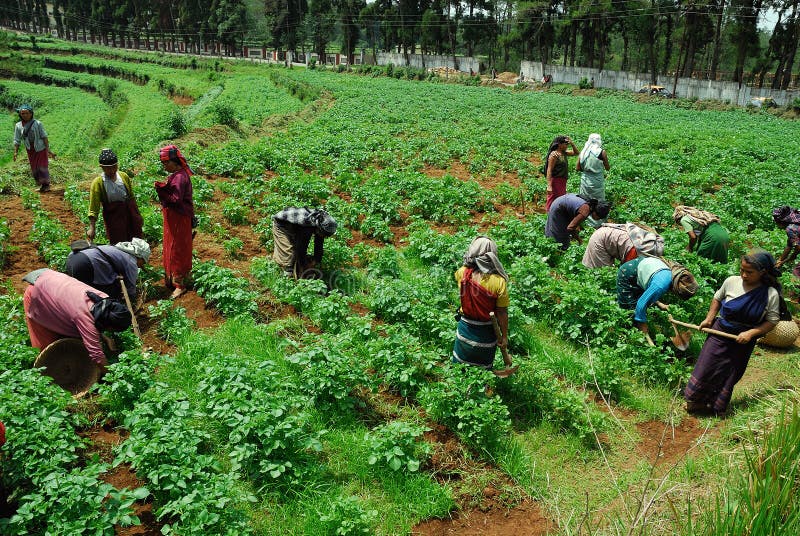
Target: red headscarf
(171, 152)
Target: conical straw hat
(68, 363)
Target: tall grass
(763, 499)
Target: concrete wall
(686, 88)
(429, 61)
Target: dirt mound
(508, 77)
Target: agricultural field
(261, 405)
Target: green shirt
(97, 193)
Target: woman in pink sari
(30, 133)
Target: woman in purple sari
(749, 306)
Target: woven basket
(782, 335)
(68, 363)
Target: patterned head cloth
(171, 152)
(786, 215)
(136, 247)
(762, 260)
(109, 314)
(107, 157)
(25, 107)
(324, 222)
(684, 285)
(482, 253)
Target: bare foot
(177, 293)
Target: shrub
(397, 445)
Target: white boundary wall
(429, 61)
(687, 87)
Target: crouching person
(100, 266)
(57, 306)
(292, 229)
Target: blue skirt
(475, 343)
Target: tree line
(713, 39)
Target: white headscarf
(482, 253)
(136, 247)
(593, 146)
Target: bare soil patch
(524, 519)
(666, 443)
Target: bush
(397, 444)
(174, 125)
(224, 114)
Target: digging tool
(509, 370)
(130, 307)
(681, 340)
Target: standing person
(177, 209)
(593, 163)
(642, 281)
(31, 133)
(57, 306)
(114, 191)
(749, 306)
(99, 267)
(788, 219)
(483, 288)
(568, 213)
(292, 229)
(705, 232)
(557, 168)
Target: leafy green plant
(174, 325)
(220, 286)
(345, 516)
(234, 211)
(233, 247)
(397, 445)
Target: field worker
(483, 287)
(593, 163)
(99, 266)
(30, 132)
(642, 281)
(788, 219)
(556, 168)
(567, 214)
(177, 209)
(57, 306)
(114, 191)
(704, 231)
(292, 229)
(621, 242)
(748, 306)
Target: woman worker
(788, 219)
(593, 163)
(748, 306)
(31, 133)
(704, 231)
(607, 244)
(556, 168)
(642, 281)
(177, 209)
(57, 306)
(99, 267)
(114, 191)
(566, 215)
(483, 287)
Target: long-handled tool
(681, 340)
(509, 370)
(130, 307)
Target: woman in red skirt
(177, 209)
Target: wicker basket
(68, 363)
(782, 335)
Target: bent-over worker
(57, 306)
(99, 266)
(292, 229)
(705, 232)
(566, 215)
(621, 242)
(642, 281)
(788, 219)
(483, 288)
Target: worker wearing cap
(114, 191)
(292, 229)
(57, 306)
(101, 266)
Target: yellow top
(495, 284)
